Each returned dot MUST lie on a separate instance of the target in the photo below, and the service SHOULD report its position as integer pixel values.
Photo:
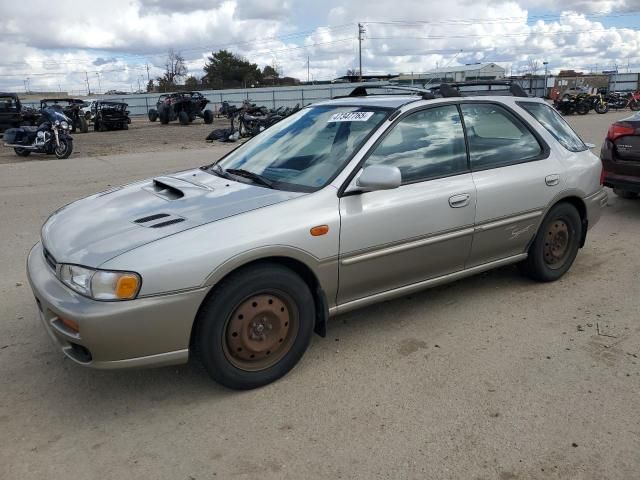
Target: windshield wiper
(218, 170)
(256, 177)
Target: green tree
(227, 70)
(191, 83)
(151, 86)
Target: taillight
(618, 130)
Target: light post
(99, 84)
(546, 65)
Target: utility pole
(147, 65)
(86, 76)
(99, 83)
(546, 65)
(139, 87)
(308, 71)
(361, 32)
(25, 86)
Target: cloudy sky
(114, 40)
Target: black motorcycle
(572, 104)
(51, 137)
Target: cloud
(115, 40)
(104, 61)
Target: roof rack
(458, 89)
(362, 91)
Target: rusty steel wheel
(556, 243)
(254, 326)
(261, 331)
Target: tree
(352, 72)
(227, 70)
(191, 83)
(150, 86)
(533, 67)
(269, 71)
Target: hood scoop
(159, 220)
(165, 188)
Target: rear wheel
(207, 115)
(556, 244)
(625, 193)
(582, 108)
(183, 117)
(256, 327)
(22, 152)
(153, 115)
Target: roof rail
(458, 89)
(361, 91)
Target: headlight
(64, 125)
(100, 284)
(57, 122)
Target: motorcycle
(572, 104)
(51, 137)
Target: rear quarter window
(551, 120)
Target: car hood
(97, 228)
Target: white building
(460, 73)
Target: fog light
(70, 324)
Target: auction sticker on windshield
(350, 117)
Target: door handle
(552, 180)
(459, 201)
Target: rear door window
(555, 125)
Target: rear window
(555, 125)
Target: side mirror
(377, 177)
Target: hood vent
(158, 220)
(167, 191)
(151, 218)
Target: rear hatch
(621, 149)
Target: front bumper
(148, 331)
(595, 203)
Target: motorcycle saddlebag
(13, 135)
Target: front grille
(49, 259)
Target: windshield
(307, 150)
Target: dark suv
(621, 157)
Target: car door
(515, 175)
(423, 229)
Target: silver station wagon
(348, 202)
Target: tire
(63, 152)
(125, 126)
(601, 108)
(625, 193)
(164, 117)
(183, 117)
(153, 115)
(96, 125)
(21, 152)
(634, 105)
(222, 328)
(84, 125)
(582, 109)
(548, 260)
(87, 116)
(207, 115)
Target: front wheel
(255, 327)
(556, 244)
(22, 152)
(602, 107)
(153, 115)
(64, 149)
(207, 115)
(634, 105)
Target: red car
(621, 157)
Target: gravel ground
(492, 377)
(143, 136)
